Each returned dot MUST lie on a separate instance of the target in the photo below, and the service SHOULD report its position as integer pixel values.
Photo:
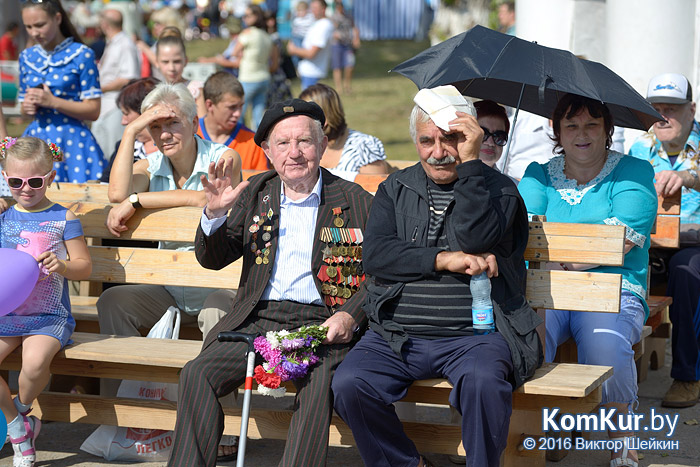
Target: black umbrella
(490, 65)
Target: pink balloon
(19, 272)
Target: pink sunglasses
(35, 183)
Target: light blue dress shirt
(292, 276)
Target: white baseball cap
(669, 88)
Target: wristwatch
(134, 200)
(694, 174)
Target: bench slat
(172, 224)
(90, 192)
(576, 243)
(576, 291)
(153, 266)
(667, 233)
(669, 205)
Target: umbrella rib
(503, 49)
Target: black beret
(282, 110)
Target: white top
(255, 62)
(120, 60)
(319, 35)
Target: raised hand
(218, 188)
(469, 142)
(157, 112)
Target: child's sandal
(27, 457)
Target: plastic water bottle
(482, 308)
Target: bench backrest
(598, 244)
(549, 241)
(666, 232)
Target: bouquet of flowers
(288, 355)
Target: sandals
(27, 457)
(624, 460)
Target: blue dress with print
(47, 310)
(70, 71)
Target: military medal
(338, 221)
(262, 221)
(332, 271)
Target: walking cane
(232, 336)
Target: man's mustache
(444, 161)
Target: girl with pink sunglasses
(43, 324)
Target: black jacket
(487, 215)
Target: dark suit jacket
(228, 244)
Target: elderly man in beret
(279, 222)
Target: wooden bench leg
(656, 348)
(523, 423)
(641, 359)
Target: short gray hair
(418, 115)
(176, 95)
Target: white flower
(276, 393)
(273, 339)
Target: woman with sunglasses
(589, 183)
(43, 324)
(494, 121)
(60, 87)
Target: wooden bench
(572, 387)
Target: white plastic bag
(136, 444)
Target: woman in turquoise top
(588, 183)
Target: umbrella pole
(512, 129)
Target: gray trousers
(122, 310)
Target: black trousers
(220, 369)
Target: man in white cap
(672, 148)
(431, 228)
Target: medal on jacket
(341, 273)
(263, 222)
(338, 221)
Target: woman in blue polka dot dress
(60, 87)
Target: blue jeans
(603, 339)
(256, 97)
(307, 81)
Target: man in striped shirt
(432, 226)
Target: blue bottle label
(482, 318)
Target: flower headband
(56, 153)
(6, 143)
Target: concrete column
(648, 37)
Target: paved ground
(59, 443)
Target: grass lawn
(379, 104)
